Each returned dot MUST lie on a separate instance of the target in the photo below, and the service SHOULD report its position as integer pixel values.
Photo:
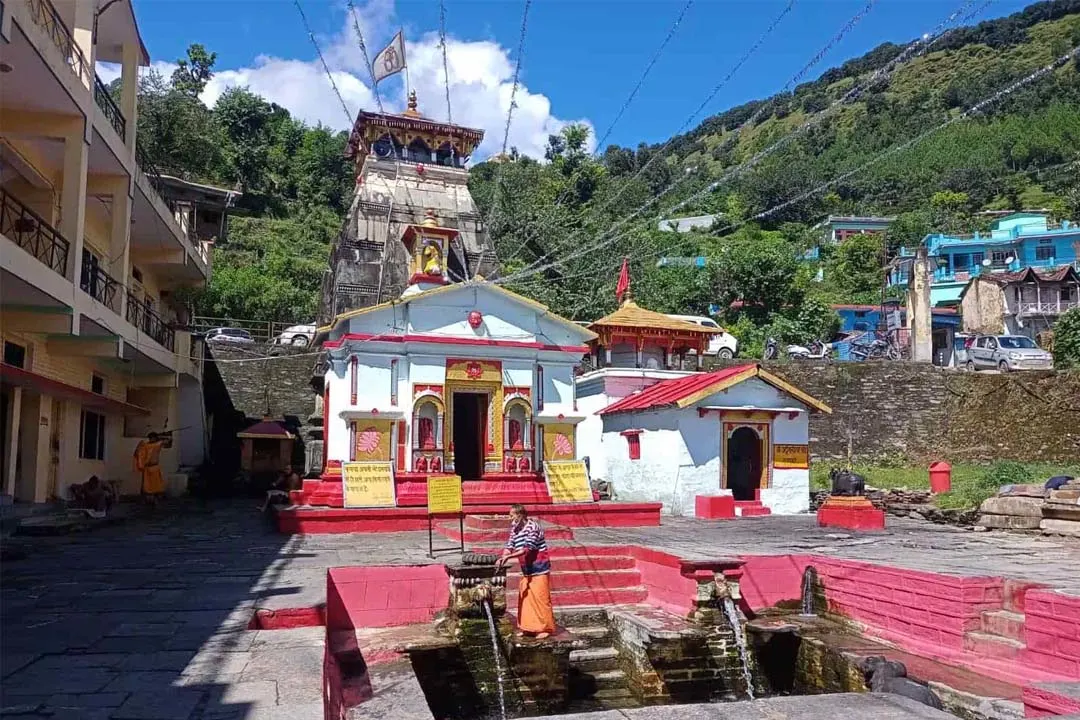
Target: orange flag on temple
(623, 286)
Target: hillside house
(1027, 302)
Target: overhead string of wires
(971, 111)
(915, 49)
(847, 27)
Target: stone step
(1003, 623)
(588, 596)
(609, 683)
(606, 579)
(592, 660)
(593, 635)
(988, 645)
(582, 616)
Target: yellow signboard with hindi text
(368, 484)
(568, 481)
(443, 494)
(791, 457)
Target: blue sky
(582, 57)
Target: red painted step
(1003, 623)
(452, 531)
(605, 580)
(588, 596)
(750, 508)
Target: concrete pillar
(37, 450)
(129, 92)
(73, 200)
(12, 450)
(919, 311)
(82, 32)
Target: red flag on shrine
(623, 286)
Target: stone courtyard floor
(147, 620)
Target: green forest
(563, 224)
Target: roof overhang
(17, 377)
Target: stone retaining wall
(917, 413)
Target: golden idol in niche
(431, 259)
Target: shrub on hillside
(1067, 340)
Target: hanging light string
(318, 50)
(517, 72)
(364, 52)
(445, 62)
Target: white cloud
(481, 78)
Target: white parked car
(722, 345)
(232, 336)
(298, 335)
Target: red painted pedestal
(714, 507)
(851, 513)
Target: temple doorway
(744, 463)
(470, 431)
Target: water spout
(740, 642)
(486, 603)
(809, 580)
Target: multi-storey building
(1017, 241)
(92, 255)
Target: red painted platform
(714, 507)
(322, 520)
(850, 513)
(411, 491)
(750, 508)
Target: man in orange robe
(536, 617)
(147, 462)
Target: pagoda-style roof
(409, 125)
(630, 315)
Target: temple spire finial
(411, 111)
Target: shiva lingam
(847, 505)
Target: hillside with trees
(587, 211)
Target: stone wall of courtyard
(917, 413)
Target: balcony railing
(142, 316)
(1047, 307)
(109, 108)
(99, 285)
(48, 19)
(30, 232)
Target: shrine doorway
(745, 462)
(470, 434)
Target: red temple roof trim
(685, 391)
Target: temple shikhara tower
(408, 168)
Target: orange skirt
(535, 614)
(153, 483)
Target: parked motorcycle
(817, 350)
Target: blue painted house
(1016, 241)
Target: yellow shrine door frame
(761, 425)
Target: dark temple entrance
(470, 431)
(744, 463)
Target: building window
(633, 443)
(977, 259)
(14, 354)
(97, 384)
(92, 436)
(539, 388)
(1044, 252)
(961, 261)
(1068, 293)
(997, 258)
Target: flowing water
(809, 579)
(740, 642)
(498, 657)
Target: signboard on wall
(443, 494)
(368, 484)
(791, 457)
(568, 481)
